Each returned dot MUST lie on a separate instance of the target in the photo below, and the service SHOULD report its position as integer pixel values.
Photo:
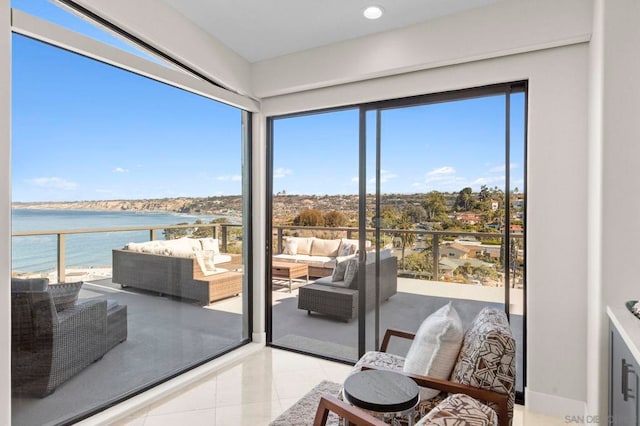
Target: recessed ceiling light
(372, 12)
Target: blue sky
(83, 130)
(443, 147)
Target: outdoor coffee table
(385, 392)
(290, 271)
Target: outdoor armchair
(484, 368)
(49, 347)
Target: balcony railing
(433, 237)
(220, 230)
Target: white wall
(557, 197)
(500, 28)
(5, 211)
(621, 150)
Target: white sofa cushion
(322, 247)
(327, 281)
(435, 347)
(303, 243)
(340, 268)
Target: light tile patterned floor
(257, 390)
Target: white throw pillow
(291, 246)
(210, 244)
(436, 346)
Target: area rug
(304, 411)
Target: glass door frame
(506, 89)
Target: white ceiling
(265, 29)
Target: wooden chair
(484, 369)
(457, 409)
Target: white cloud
(54, 183)
(281, 172)
(119, 170)
(234, 178)
(385, 176)
(355, 179)
(488, 180)
(441, 171)
(502, 168)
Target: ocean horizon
(38, 254)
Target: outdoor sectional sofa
(338, 300)
(188, 268)
(317, 253)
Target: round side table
(385, 392)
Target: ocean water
(38, 253)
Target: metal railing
(436, 237)
(220, 230)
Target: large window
(435, 193)
(130, 232)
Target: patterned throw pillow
(291, 247)
(64, 295)
(347, 249)
(339, 269)
(351, 273)
(436, 346)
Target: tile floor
(258, 389)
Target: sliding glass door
(434, 194)
(444, 196)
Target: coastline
(73, 274)
(218, 206)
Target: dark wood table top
(381, 391)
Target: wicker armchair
(49, 347)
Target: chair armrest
(500, 399)
(348, 412)
(398, 333)
(84, 322)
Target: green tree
(416, 213)
(485, 194)
(309, 217)
(173, 233)
(465, 200)
(389, 216)
(435, 206)
(406, 238)
(335, 219)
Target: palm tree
(407, 238)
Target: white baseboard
(553, 405)
(165, 389)
(259, 338)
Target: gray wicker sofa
(336, 300)
(177, 276)
(51, 341)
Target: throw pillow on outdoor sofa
(351, 273)
(64, 295)
(436, 346)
